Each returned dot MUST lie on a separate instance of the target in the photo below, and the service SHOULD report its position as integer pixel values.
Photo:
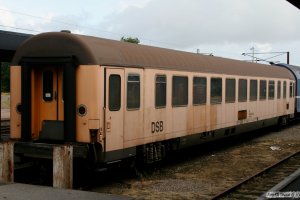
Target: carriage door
(47, 104)
(114, 118)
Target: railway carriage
(113, 100)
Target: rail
(241, 189)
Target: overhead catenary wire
(23, 29)
(151, 41)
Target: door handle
(108, 126)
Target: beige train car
(113, 100)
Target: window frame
(202, 101)
(251, 98)
(284, 89)
(241, 90)
(230, 99)
(211, 99)
(109, 93)
(291, 89)
(278, 89)
(127, 82)
(186, 101)
(165, 100)
(269, 89)
(294, 89)
(260, 90)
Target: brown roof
(92, 50)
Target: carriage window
(271, 90)
(242, 90)
(114, 92)
(262, 89)
(160, 91)
(230, 91)
(48, 85)
(294, 89)
(216, 90)
(278, 89)
(199, 90)
(180, 91)
(284, 89)
(133, 91)
(253, 90)
(291, 90)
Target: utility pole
(254, 56)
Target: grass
(5, 100)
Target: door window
(48, 85)
(114, 92)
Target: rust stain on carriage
(200, 118)
(279, 106)
(213, 116)
(242, 114)
(190, 123)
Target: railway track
(5, 129)
(151, 182)
(256, 185)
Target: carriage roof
(98, 51)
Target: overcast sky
(226, 28)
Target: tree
(5, 87)
(130, 40)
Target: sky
(225, 28)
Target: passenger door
(47, 102)
(114, 118)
